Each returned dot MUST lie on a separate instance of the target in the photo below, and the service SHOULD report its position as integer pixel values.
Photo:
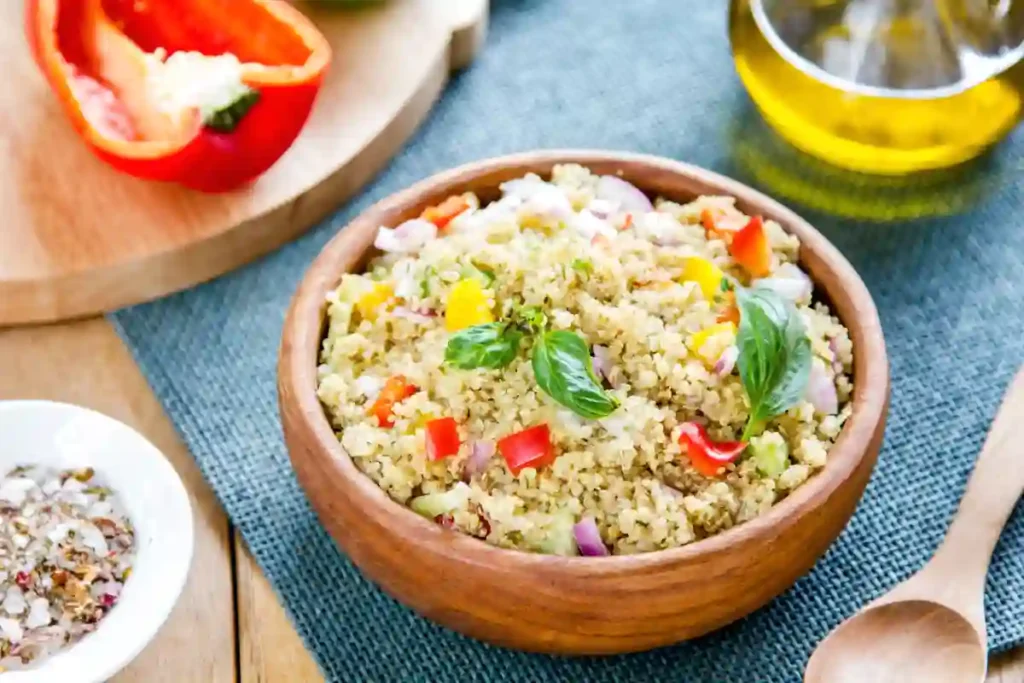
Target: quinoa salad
(575, 369)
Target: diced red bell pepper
(711, 229)
(731, 313)
(750, 248)
(531, 447)
(445, 212)
(101, 58)
(395, 390)
(442, 438)
(707, 457)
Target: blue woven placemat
(654, 77)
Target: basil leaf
(774, 355)
(564, 371)
(493, 345)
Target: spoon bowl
(911, 640)
(931, 627)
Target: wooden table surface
(228, 620)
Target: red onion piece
(837, 365)
(550, 204)
(369, 386)
(727, 361)
(588, 538)
(627, 195)
(821, 391)
(480, 453)
(602, 208)
(407, 238)
(411, 315)
(603, 364)
(789, 282)
(524, 188)
(589, 225)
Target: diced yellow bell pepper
(698, 340)
(369, 303)
(705, 273)
(467, 306)
(421, 421)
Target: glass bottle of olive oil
(884, 86)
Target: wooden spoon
(931, 627)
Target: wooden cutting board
(78, 238)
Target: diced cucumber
(561, 541)
(770, 453)
(433, 504)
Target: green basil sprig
(560, 359)
(774, 355)
(493, 345)
(564, 371)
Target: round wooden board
(78, 238)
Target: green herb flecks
(564, 371)
(493, 345)
(225, 119)
(774, 356)
(582, 266)
(485, 276)
(532, 318)
(428, 272)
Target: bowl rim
(303, 335)
(145, 614)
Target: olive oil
(883, 86)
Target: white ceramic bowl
(65, 436)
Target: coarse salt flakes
(65, 550)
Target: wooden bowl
(578, 605)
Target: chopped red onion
(589, 225)
(603, 364)
(407, 238)
(411, 315)
(837, 365)
(588, 538)
(789, 282)
(549, 204)
(626, 195)
(369, 386)
(821, 391)
(602, 208)
(727, 361)
(480, 453)
(524, 188)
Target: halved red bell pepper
(213, 128)
(707, 457)
(750, 248)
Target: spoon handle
(992, 492)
